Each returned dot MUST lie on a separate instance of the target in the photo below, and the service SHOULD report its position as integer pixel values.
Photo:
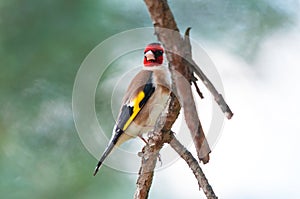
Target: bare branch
(156, 141)
(198, 89)
(182, 67)
(177, 49)
(149, 159)
(194, 68)
(162, 17)
(218, 97)
(193, 164)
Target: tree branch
(217, 96)
(177, 49)
(159, 136)
(182, 68)
(193, 164)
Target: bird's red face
(153, 55)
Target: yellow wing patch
(136, 108)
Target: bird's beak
(150, 56)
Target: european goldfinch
(144, 100)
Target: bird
(146, 97)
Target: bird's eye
(158, 53)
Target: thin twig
(218, 97)
(195, 167)
(194, 68)
(198, 89)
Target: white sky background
(257, 154)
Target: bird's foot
(159, 159)
(144, 140)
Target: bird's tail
(109, 149)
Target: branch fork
(183, 70)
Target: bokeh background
(254, 44)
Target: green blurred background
(42, 44)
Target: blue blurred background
(255, 45)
